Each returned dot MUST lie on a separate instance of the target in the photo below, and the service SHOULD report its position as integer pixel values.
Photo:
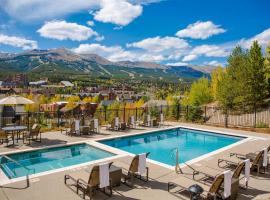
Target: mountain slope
(63, 61)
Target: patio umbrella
(15, 100)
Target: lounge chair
(209, 175)
(33, 134)
(134, 171)
(4, 137)
(210, 191)
(249, 155)
(90, 185)
(233, 161)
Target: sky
(171, 32)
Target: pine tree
(256, 80)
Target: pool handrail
(26, 168)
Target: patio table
(14, 130)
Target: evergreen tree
(267, 66)
(231, 90)
(256, 79)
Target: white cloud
(20, 42)
(210, 51)
(99, 38)
(200, 30)
(263, 38)
(90, 23)
(117, 53)
(158, 44)
(26, 10)
(190, 57)
(213, 63)
(62, 30)
(118, 12)
(176, 64)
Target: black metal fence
(259, 117)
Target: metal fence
(247, 117)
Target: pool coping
(120, 153)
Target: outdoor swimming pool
(49, 159)
(161, 145)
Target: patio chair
(114, 125)
(160, 120)
(4, 137)
(232, 161)
(71, 131)
(131, 122)
(134, 171)
(91, 184)
(210, 191)
(94, 126)
(33, 134)
(147, 120)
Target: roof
(67, 83)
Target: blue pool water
(51, 158)
(191, 144)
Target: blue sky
(175, 32)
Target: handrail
(26, 168)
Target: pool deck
(52, 186)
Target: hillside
(62, 61)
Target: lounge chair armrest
(82, 182)
(238, 155)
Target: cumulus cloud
(117, 53)
(90, 23)
(263, 38)
(176, 64)
(118, 12)
(158, 44)
(26, 10)
(190, 57)
(62, 30)
(200, 30)
(210, 51)
(20, 42)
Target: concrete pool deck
(52, 186)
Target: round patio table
(14, 130)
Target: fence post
(58, 122)
(178, 112)
(204, 114)
(28, 120)
(255, 117)
(105, 113)
(187, 112)
(136, 114)
(226, 118)
(124, 114)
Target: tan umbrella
(15, 100)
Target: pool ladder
(24, 167)
(178, 169)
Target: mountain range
(63, 61)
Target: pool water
(50, 159)
(162, 144)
